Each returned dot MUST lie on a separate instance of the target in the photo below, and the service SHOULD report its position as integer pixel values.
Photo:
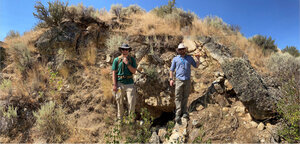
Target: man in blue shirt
(181, 64)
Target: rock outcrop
(249, 88)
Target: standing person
(123, 68)
(181, 64)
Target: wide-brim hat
(181, 46)
(124, 46)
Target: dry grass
(150, 24)
(28, 38)
(106, 84)
(239, 45)
(89, 56)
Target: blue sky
(279, 19)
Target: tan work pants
(182, 92)
(129, 90)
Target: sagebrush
(52, 123)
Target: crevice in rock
(163, 119)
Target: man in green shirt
(122, 68)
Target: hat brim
(124, 47)
(181, 48)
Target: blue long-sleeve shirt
(182, 66)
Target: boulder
(63, 36)
(2, 57)
(249, 88)
(217, 51)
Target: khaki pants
(182, 92)
(129, 90)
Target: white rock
(108, 58)
(247, 117)
(154, 138)
(260, 126)
(228, 85)
(162, 133)
(253, 124)
(240, 109)
(196, 123)
(225, 109)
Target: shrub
(288, 108)
(113, 43)
(21, 56)
(141, 133)
(179, 16)
(11, 112)
(75, 13)
(170, 126)
(133, 9)
(5, 84)
(291, 50)
(164, 10)
(151, 72)
(267, 44)
(284, 67)
(12, 34)
(216, 22)
(117, 10)
(51, 122)
(51, 16)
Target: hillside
(56, 81)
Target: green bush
(113, 43)
(5, 84)
(51, 16)
(52, 123)
(164, 10)
(284, 67)
(133, 9)
(267, 44)
(216, 22)
(21, 56)
(170, 126)
(288, 108)
(291, 50)
(151, 72)
(11, 112)
(142, 133)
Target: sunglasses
(181, 49)
(125, 49)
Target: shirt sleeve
(173, 65)
(193, 62)
(114, 65)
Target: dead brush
(150, 24)
(106, 84)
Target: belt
(125, 77)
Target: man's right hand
(171, 82)
(115, 88)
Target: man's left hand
(125, 61)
